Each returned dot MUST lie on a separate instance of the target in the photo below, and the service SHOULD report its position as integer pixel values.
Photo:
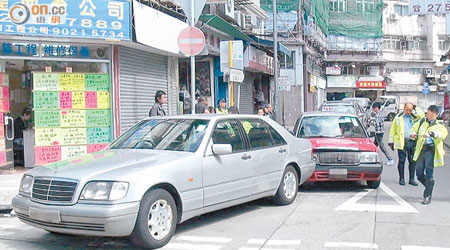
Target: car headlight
(104, 190)
(25, 185)
(315, 158)
(369, 157)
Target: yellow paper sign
(73, 118)
(73, 136)
(72, 82)
(78, 100)
(103, 100)
(48, 136)
(2, 144)
(69, 152)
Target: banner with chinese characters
(72, 115)
(96, 19)
(4, 94)
(371, 84)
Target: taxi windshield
(164, 134)
(331, 126)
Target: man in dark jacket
(20, 124)
(201, 105)
(160, 100)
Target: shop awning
(269, 43)
(224, 26)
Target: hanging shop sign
(72, 115)
(100, 19)
(371, 84)
(213, 39)
(341, 82)
(37, 50)
(333, 70)
(255, 60)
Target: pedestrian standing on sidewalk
(202, 105)
(160, 100)
(399, 139)
(269, 110)
(430, 135)
(222, 109)
(378, 123)
(20, 124)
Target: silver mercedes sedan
(162, 172)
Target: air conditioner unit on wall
(229, 9)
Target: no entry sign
(191, 41)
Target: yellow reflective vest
(440, 133)
(397, 133)
(221, 111)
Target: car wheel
(156, 220)
(373, 184)
(287, 191)
(391, 117)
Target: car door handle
(246, 157)
(282, 151)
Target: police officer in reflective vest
(429, 134)
(399, 139)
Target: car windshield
(338, 108)
(331, 126)
(164, 134)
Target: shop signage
(371, 84)
(321, 83)
(423, 7)
(213, 39)
(52, 50)
(255, 60)
(99, 19)
(333, 70)
(282, 5)
(286, 79)
(341, 82)
(236, 75)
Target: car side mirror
(371, 134)
(222, 149)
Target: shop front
(370, 87)
(340, 87)
(59, 67)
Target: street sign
(198, 8)
(425, 88)
(191, 41)
(236, 75)
(237, 55)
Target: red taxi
(342, 148)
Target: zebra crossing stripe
(185, 246)
(205, 239)
(423, 248)
(351, 245)
(274, 242)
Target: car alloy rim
(160, 219)
(289, 185)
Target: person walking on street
(222, 109)
(269, 110)
(399, 139)
(261, 112)
(160, 100)
(201, 105)
(429, 134)
(378, 123)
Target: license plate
(45, 215)
(337, 173)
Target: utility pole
(275, 63)
(192, 24)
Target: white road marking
(264, 248)
(423, 248)
(21, 227)
(191, 246)
(205, 239)
(352, 205)
(274, 242)
(350, 244)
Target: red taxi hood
(361, 144)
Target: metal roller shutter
(246, 102)
(141, 74)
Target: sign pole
(275, 63)
(192, 64)
(230, 62)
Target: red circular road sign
(191, 41)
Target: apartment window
(338, 5)
(347, 70)
(364, 70)
(444, 43)
(401, 10)
(363, 6)
(391, 42)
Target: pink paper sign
(45, 155)
(2, 119)
(6, 108)
(92, 148)
(91, 99)
(65, 99)
(2, 132)
(5, 92)
(2, 158)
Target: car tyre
(374, 184)
(287, 191)
(156, 220)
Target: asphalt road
(324, 216)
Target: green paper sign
(47, 118)
(97, 82)
(46, 100)
(98, 135)
(46, 81)
(98, 117)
